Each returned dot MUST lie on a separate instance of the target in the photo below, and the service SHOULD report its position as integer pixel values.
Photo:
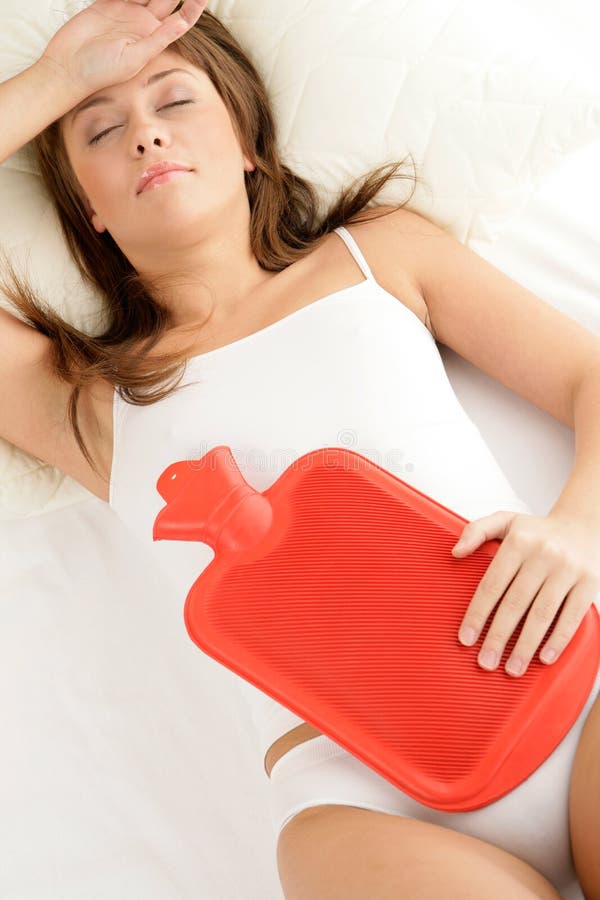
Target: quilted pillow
(471, 91)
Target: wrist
(53, 76)
(579, 514)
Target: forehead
(168, 59)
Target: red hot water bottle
(335, 592)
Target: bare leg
(584, 806)
(350, 853)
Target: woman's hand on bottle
(110, 41)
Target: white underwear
(531, 822)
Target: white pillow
(486, 97)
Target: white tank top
(356, 369)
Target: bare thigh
(285, 743)
(348, 853)
(584, 805)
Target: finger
(192, 10)
(496, 525)
(492, 586)
(576, 604)
(167, 32)
(516, 601)
(160, 8)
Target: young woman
(156, 142)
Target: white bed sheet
(129, 767)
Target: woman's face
(110, 144)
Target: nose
(156, 141)
(147, 132)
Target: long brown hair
(284, 227)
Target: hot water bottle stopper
(336, 593)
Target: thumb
(485, 529)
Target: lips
(160, 169)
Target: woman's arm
(30, 101)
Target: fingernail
(515, 665)
(489, 659)
(467, 636)
(548, 655)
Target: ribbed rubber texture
(347, 611)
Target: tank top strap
(355, 251)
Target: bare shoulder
(35, 402)
(94, 418)
(400, 220)
(396, 243)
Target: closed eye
(108, 130)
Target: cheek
(100, 188)
(218, 136)
(82, 177)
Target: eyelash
(108, 130)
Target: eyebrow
(96, 101)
